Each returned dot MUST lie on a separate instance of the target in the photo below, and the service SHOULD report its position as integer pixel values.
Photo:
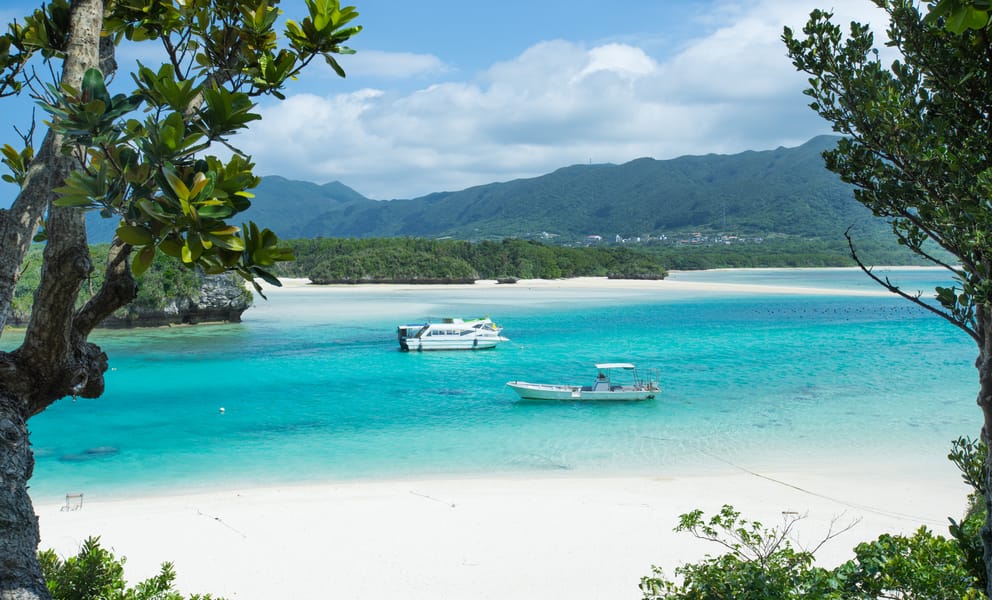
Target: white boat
(604, 387)
(450, 334)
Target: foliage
(151, 171)
(762, 563)
(923, 565)
(959, 16)
(777, 251)
(968, 454)
(413, 259)
(96, 574)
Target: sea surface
(314, 388)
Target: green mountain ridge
(786, 191)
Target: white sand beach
(518, 538)
(671, 284)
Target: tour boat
(634, 386)
(450, 334)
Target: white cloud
(394, 65)
(557, 103)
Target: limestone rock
(221, 298)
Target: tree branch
(18, 225)
(119, 289)
(915, 299)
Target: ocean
(313, 388)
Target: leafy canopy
(149, 168)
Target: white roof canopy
(615, 366)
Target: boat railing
(647, 378)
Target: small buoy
(222, 410)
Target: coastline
(672, 283)
(516, 536)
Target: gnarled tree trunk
(55, 359)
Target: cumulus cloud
(556, 103)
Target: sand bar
(672, 284)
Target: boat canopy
(615, 366)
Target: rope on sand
(221, 521)
(865, 507)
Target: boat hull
(418, 345)
(547, 391)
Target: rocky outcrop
(221, 298)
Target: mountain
(287, 206)
(783, 191)
(281, 204)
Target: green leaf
(171, 247)
(93, 87)
(177, 185)
(228, 242)
(142, 260)
(135, 235)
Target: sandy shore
(579, 538)
(671, 284)
(489, 538)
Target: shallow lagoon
(314, 388)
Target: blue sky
(447, 94)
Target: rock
(222, 298)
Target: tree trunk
(20, 574)
(984, 365)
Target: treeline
(350, 260)
(783, 253)
(419, 260)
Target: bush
(761, 562)
(96, 574)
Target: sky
(443, 95)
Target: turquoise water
(314, 388)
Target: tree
(148, 169)
(917, 146)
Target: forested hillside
(786, 191)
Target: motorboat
(450, 334)
(634, 386)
